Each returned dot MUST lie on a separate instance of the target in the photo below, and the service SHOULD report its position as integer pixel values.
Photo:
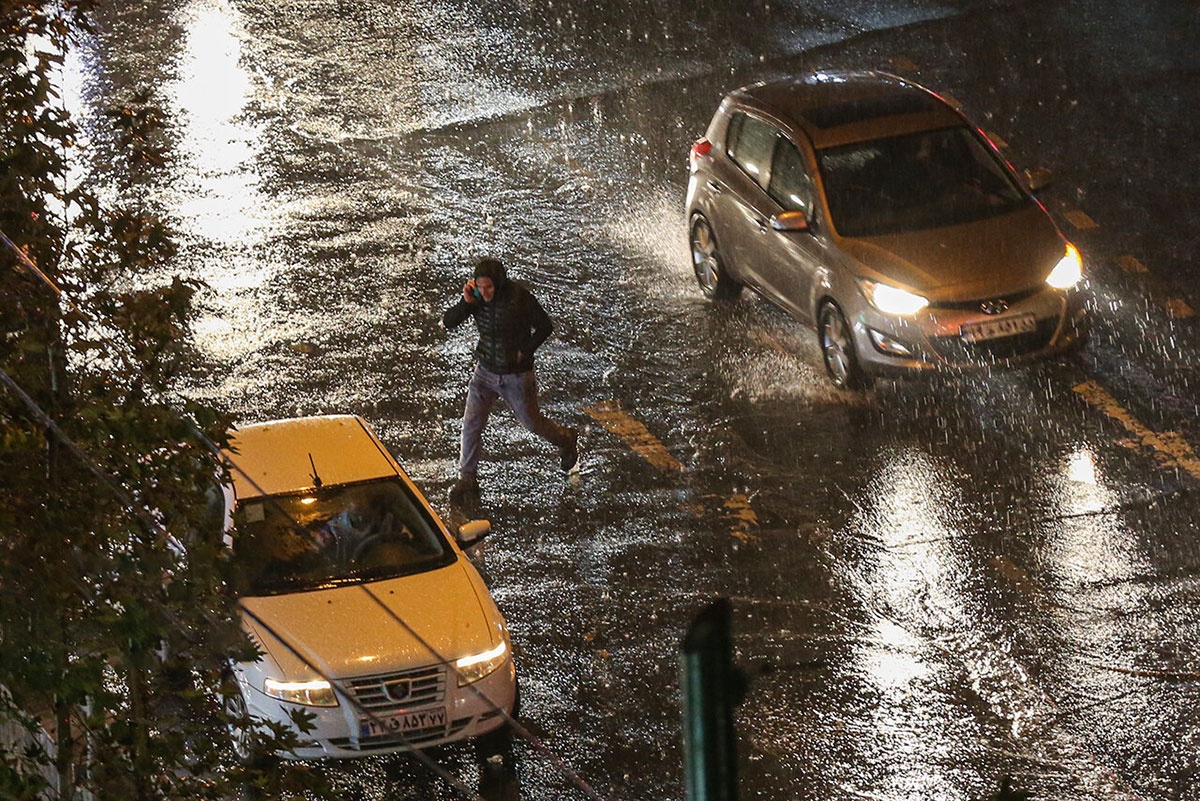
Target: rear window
(335, 535)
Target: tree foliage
(115, 618)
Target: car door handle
(716, 187)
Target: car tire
(245, 747)
(836, 339)
(709, 265)
(234, 706)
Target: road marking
(1080, 220)
(1157, 289)
(610, 415)
(768, 341)
(1170, 446)
(1131, 265)
(1018, 578)
(1179, 308)
(738, 508)
(904, 64)
(996, 140)
(951, 99)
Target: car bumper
(341, 732)
(936, 339)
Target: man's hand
(469, 291)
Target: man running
(512, 325)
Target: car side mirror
(790, 221)
(472, 532)
(1037, 178)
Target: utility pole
(712, 687)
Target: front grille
(393, 691)
(413, 738)
(957, 350)
(975, 305)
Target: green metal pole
(712, 687)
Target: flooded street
(936, 583)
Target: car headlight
(1068, 271)
(308, 693)
(474, 667)
(893, 300)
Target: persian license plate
(999, 327)
(402, 722)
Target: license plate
(402, 722)
(999, 327)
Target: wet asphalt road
(937, 583)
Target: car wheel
(709, 265)
(236, 714)
(241, 733)
(837, 348)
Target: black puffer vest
(511, 327)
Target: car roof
(837, 108)
(273, 458)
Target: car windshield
(915, 181)
(335, 535)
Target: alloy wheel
(837, 348)
(705, 259)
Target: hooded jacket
(511, 327)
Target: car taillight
(701, 147)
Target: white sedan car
(365, 610)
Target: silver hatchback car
(865, 205)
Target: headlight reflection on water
(1086, 548)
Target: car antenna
(316, 478)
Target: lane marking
(1179, 308)
(951, 99)
(1080, 220)
(1157, 289)
(610, 415)
(1131, 265)
(1170, 446)
(1019, 579)
(904, 64)
(996, 140)
(738, 509)
(768, 340)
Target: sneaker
(569, 453)
(464, 491)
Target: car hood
(986, 258)
(376, 627)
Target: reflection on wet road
(936, 583)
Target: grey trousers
(519, 391)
